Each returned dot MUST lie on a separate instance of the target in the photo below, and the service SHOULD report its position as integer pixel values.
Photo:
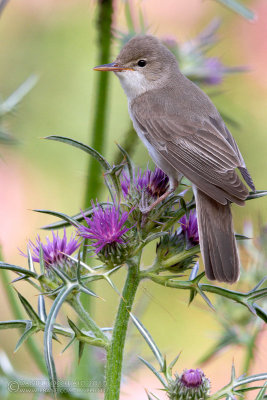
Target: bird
(185, 135)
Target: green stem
(104, 21)
(33, 347)
(179, 257)
(87, 320)
(95, 178)
(115, 352)
(187, 285)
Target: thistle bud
(152, 184)
(191, 385)
(179, 242)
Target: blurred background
(57, 41)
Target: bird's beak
(112, 67)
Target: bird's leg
(145, 211)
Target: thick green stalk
(31, 344)
(94, 181)
(115, 352)
(97, 132)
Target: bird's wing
(193, 146)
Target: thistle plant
(115, 233)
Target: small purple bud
(192, 378)
(192, 384)
(154, 183)
(189, 228)
(215, 71)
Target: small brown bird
(185, 135)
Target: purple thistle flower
(53, 250)
(155, 183)
(158, 183)
(105, 227)
(192, 384)
(125, 183)
(190, 228)
(140, 181)
(215, 71)
(192, 378)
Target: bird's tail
(217, 239)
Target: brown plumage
(185, 135)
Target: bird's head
(144, 63)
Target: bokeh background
(57, 41)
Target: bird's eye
(141, 63)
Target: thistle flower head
(158, 183)
(191, 385)
(189, 228)
(55, 251)
(192, 378)
(106, 231)
(180, 241)
(140, 181)
(154, 183)
(214, 71)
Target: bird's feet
(145, 209)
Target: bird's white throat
(134, 83)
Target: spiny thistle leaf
(154, 236)
(77, 217)
(128, 162)
(41, 308)
(206, 299)
(172, 364)
(19, 323)
(30, 261)
(155, 372)
(15, 98)
(84, 338)
(249, 379)
(262, 281)
(89, 150)
(41, 260)
(148, 338)
(73, 339)
(262, 392)
(149, 396)
(257, 194)
(65, 217)
(75, 329)
(260, 312)
(81, 349)
(29, 310)
(50, 364)
(17, 269)
(237, 7)
(30, 330)
(238, 236)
